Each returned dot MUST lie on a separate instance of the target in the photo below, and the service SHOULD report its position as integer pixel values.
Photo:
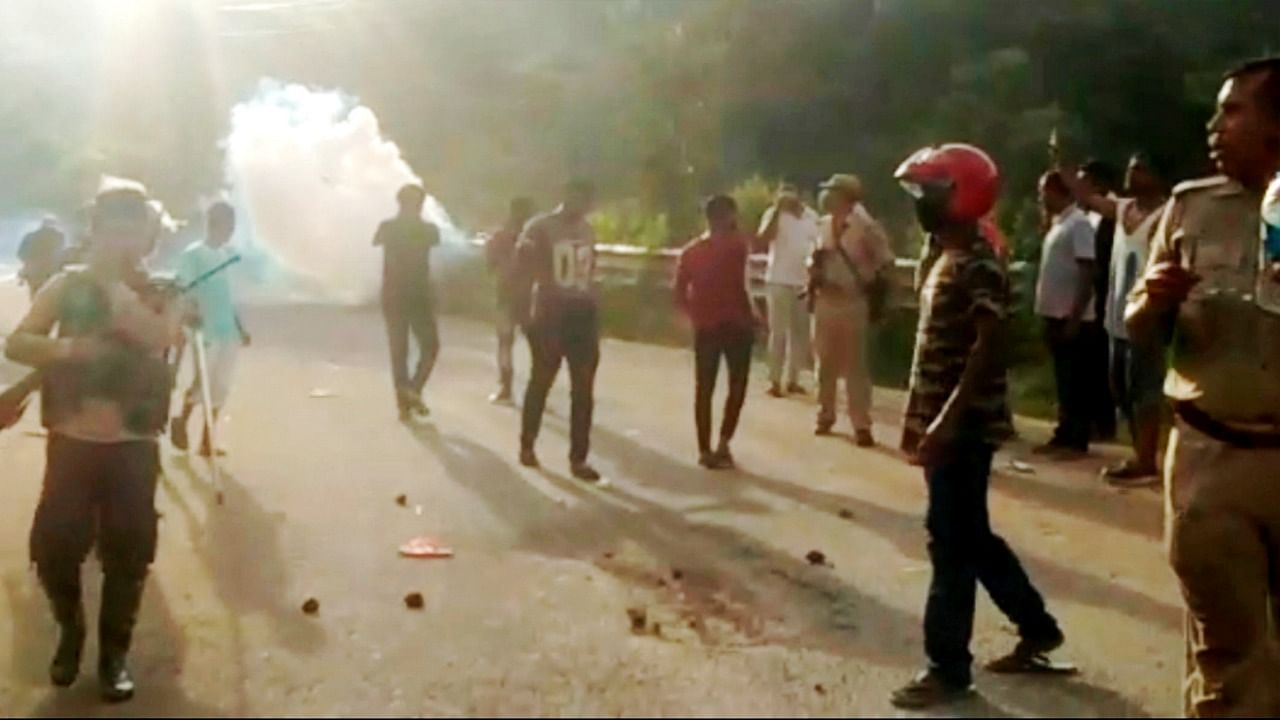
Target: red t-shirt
(711, 282)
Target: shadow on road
(1052, 696)
(159, 648)
(240, 543)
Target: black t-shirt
(406, 258)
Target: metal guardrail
(632, 265)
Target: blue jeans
(964, 551)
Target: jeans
(573, 336)
(1071, 374)
(417, 315)
(788, 330)
(103, 494)
(1102, 404)
(709, 345)
(964, 551)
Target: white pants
(788, 330)
(220, 357)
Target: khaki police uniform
(841, 313)
(1222, 474)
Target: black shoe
(865, 439)
(178, 434)
(584, 472)
(65, 667)
(927, 690)
(114, 681)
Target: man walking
(553, 281)
(105, 399)
(219, 322)
(408, 303)
(711, 288)
(1199, 298)
(790, 229)
(957, 415)
(850, 262)
(500, 253)
(1065, 301)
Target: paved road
(531, 617)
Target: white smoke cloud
(312, 176)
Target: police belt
(1231, 435)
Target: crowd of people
(1135, 288)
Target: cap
(846, 183)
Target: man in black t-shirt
(408, 303)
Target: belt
(1222, 432)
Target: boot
(121, 597)
(64, 597)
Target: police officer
(1198, 294)
(105, 398)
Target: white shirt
(1070, 240)
(1128, 260)
(790, 249)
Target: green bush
(627, 223)
(753, 195)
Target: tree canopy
(659, 101)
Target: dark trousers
(416, 315)
(104, 493)
(964, 551)
(573, 336)
(1071, 375)
(1102, 408)
(709, 346)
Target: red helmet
(962, 175)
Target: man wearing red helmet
(957, 415)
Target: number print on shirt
(572, 263)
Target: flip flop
(424, 547)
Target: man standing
(1064, 299)
(1136, 371)
(219, 322)
(41, 254)
(500, 253)
(553, 281)
(1198, 295)
(790, 229)
(957, 415)
(711, 288)
(851, 259)
(1100, 177)
(105, 400)
(408, 303)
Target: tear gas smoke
(312, 176)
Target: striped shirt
(960, 285)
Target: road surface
(535, 613)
